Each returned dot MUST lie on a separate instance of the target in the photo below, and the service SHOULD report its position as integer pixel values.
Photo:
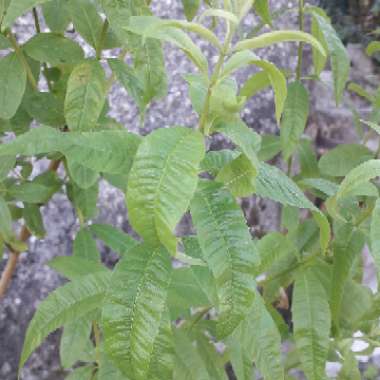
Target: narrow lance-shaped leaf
(135, 309)
(271, 38)
(356, 177)
(85, 97)
(12, 85)
(228, 249)
(340, 60)
(294, 118)
(375, 235)
(65, 304)
(263, 10)
(312, 320)
(162, 181)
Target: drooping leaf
(312, 320)
(261, 340)
(228, 249)
(75, 344)
(240, 134)
(189, 364)
(239, 176)
(84, 200)
(88, 23)
(375, 234)
(57, 15)
(84, 177)
(117, 240)
(275, 37)
(270, 147)
(340, 60)
(85, 97)
(103, 151)
(38, 191)
(53, 49)
(75, 267)
(162, 181)
(294, 118)
(356, 177)
(347, 246)
(65, 304)
(85, 246)
(12, 85)
(256, 83)
(134, 311)
(5, 220)
(339, 161)
(33, 220)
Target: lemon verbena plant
(208, 305)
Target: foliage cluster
(188, 307)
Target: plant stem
(101, 40)
(23, 60)
(301, 45)
(6, 276)
(96, 330)
(214, 77)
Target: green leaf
(276, 77)
(275, 37)
(81, 373)
(240, 134)
(375, 235)
(38, 191)
(311, 317)
(117, 240)
(33, 220)
(85, 178)
(229, 251)
(270, 147)
(75, 344)
(4, 42)
(84, 200)
(347, 246)
(134, 312)
(339, 161)
(191, 8)
(12, 85)
(45, 108)
(373, 48)
(340, 61)
(308, 159)
(56, 15)
(256, 83)
(88, 23)
(239, 176)
(293, 123)
(162, 181)
(64, 305)
(74, 267)
(189, 363)
(214, 161)
(261, 340)
(131, 82)
(263, 10)
(7, 163)
(356, 177)
(53, 49)
(17, 8)
(85, 97)
(85, 246)
(319, 60)
(103, 151)
(186, 292)
(5, 220)
(153, 27)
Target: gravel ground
(33, 279)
